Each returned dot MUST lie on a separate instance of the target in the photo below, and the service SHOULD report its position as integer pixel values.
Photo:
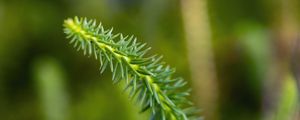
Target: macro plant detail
(148, 80)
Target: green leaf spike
(149, 81)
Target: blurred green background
(241, 57)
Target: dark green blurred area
(43, 78)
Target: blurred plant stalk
(198, 37)
(286, 27)
(49, 78)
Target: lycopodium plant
(149, 80)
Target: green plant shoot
(148, 80)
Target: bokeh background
(241, 57)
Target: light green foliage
(288, 102)
(148, 80)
